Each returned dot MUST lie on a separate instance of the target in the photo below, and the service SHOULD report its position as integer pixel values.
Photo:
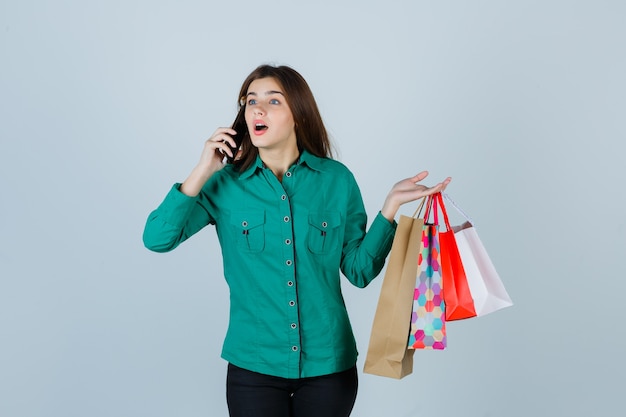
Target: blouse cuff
(176, 206)
(379, 237)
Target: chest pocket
(249, 230)
(324, 229)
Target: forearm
(364, 257)
(196, 180)
(177, 218)
(390, 209)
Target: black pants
(250, 394)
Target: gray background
(105, 104)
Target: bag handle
(431, 205)
(418, 211)
(443, 210)
(447, 197)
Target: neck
(279, 161)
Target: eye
(274, 101)
(252, 101)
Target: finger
(226, 149)
(438, 187)
(227, 130)
(229, 139)
(219, 145)
(445, 183)
(433, 190)
(419, 177)
(224, 139)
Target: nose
(258, 110)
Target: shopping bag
(484, 281)
(456, 291)
(428, 319)
(387, 353)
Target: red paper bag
(456, 291)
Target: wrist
(389, 211)
(195, 181)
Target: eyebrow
(267, 93)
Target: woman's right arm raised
(210, 162)
(181, 214)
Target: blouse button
(290, 283)
(283, 197)
(244, 223)
(288, 262)
(293, 325)
(292, 303)
(324, 224)
(287, 241)
(294, 348)
(288, 174)
(286, 219)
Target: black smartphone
(239, 125)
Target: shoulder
(329, 166)
(228, 173)
(334, 165)
(221, 180)
(339, 173)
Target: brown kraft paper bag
(387, 353)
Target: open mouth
(259, 127)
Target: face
(268, 116)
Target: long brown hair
(311, 133)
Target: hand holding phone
(239, 125)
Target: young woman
(289, 219)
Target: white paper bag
(484, 282)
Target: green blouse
(283, 245)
